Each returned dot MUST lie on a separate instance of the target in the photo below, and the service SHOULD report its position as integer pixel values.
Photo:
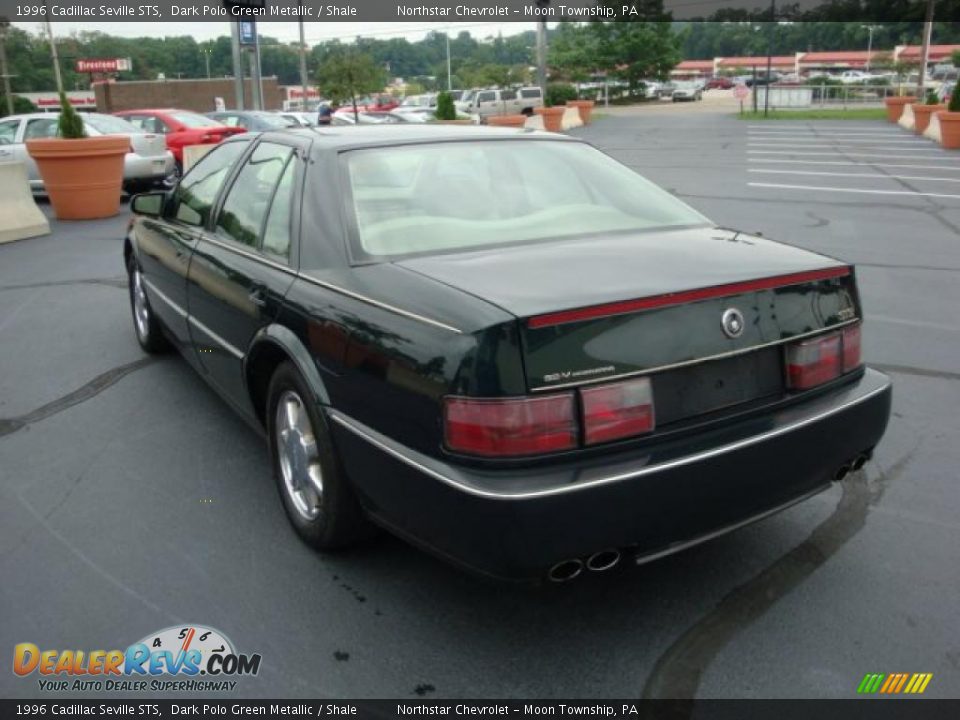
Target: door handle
(258, 295)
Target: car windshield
(277, 121)
(430, 198)
(110, 125)
(192, 120)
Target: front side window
(248, 202)
(431, 198)
(198, 189)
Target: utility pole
(303, 65)
(58, 78)
(4, 24)
(925, 52)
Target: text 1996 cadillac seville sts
(502, 345)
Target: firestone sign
(103, 65)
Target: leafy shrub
(954, 105)
(559, 94)
(445, 107)
(20, 105)
(71, 124)
(931, 98)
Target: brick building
(197, 95)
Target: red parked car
(719, 83)
(180, 128)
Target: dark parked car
(253, 120)
(503, 346)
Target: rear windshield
(432, 198)
(110, 125)
(192, 120)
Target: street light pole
(449, 75)
(925, 52)
(766, 86)
(869, 29)
(206, 57)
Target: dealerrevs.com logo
(189, 658)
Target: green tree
(346, 72)
(642, 46)
(573, 51)
(20, 105)
(955, 58)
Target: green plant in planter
(954, 105)
(932, 98)
(445, 107)
(559, 94)
(70, 126)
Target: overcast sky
(288, 31)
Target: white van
(501, 102)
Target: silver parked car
(148, 162)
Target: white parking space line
(806, 142)
(778, 161)
(796, 133)
(838, 147)
(863, 191)
(819, 128)
(854, 154)
(876, 176)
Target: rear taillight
(513, 426)
(617, 411)
(814, 362)
(851, 348)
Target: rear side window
(248, 203)
(41, 128)
(199, 188)
(508, 94)
(530, 93)
(8, 131)
(486, 97)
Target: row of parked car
(159, 136)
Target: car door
(242, 268)
(165, 244)
(510, 105)
(486, 103)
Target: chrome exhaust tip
(841, 472)
(565, 571)
(603, 560)
(859, 461)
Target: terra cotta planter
(949, 129)
(82, 177)
(921, 116)
(507, 120)
(584, 107)
(895, 106)
(552, 117)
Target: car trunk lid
(599, 308)
(149, 145)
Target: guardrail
(801, 96)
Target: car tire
(146, 325)
(315, 492)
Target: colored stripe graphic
(894, 683)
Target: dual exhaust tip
(858, 462)
(567, 570)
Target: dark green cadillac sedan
(502, 345)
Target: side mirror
(148, 204)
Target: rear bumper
(516, 524)
(154, 167)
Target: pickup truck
(486, 103)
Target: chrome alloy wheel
(298, 455)
(141, 311)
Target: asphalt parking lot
(132, 499)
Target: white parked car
(687, 90)
(148, 162)
(854, 77)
